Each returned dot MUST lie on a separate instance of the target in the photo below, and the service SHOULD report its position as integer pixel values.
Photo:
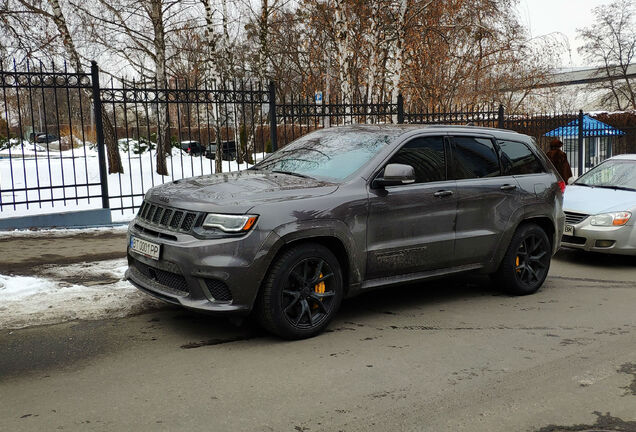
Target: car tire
(527, 261)
(301, 292)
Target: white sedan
(600, 208)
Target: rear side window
(474, 158)
(517, 158)
(426, 156)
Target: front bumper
(216, 275)
(620, 240)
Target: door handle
(442, 193)
(508, 187)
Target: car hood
(593, 200)
(236, 192)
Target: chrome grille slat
(572, 218)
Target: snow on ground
(88, 291)
(41, 175)
(63, 232)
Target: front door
(411, 227)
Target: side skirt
(413, 277)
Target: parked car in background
(229, 150)
(45, 138)
(344, 210)
(600, 208)
(193, 148)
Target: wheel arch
(543, 222)
(331, 242)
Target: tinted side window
(474, 158)
(516, 158)
(426, 156)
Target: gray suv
(344, 210)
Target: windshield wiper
(290, 173)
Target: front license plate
(144, 247)
(569, 229)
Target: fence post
(500, 117)
(99, 132)
(581, 149)
(400, 109)
(273, 135)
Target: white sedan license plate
(145, 248)
(569, 229)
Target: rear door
(486, 199)
(410, 228)
(518, 161)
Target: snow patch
(63, 232)
(88, 291)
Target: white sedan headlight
(230, 223)
(610, 219)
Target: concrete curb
(75, 219)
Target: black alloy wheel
(526, 263)
(532, 260)
(308, 296)
(301, 292)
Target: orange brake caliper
(320, 289)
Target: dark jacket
(560, 161)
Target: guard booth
(596, 144)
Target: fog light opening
(604, 243)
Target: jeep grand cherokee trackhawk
(343, 210)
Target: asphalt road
(446, 356)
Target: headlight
(610, 219)
(230, 223)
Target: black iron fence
(84, 140)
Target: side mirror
(571, 180)
(394, 175)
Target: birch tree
(376, 47)
(53, 11)
(138, 31)
(344, 52)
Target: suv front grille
(167, 217)
(165, 278)
(572, 218)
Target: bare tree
(138, 31)
(52, 10)
(611, 44)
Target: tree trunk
(163, 127)
(397, 57)
(343, 51)
(211, 40)
(374, 56)
(112, 151)
(263, 46)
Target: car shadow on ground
(199, 329)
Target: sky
(543, 17)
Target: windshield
(620, 174)
(327, 154)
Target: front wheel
(301, 293)
(526, 262)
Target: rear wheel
(302, 292)
(527, 261)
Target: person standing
(559, 159)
